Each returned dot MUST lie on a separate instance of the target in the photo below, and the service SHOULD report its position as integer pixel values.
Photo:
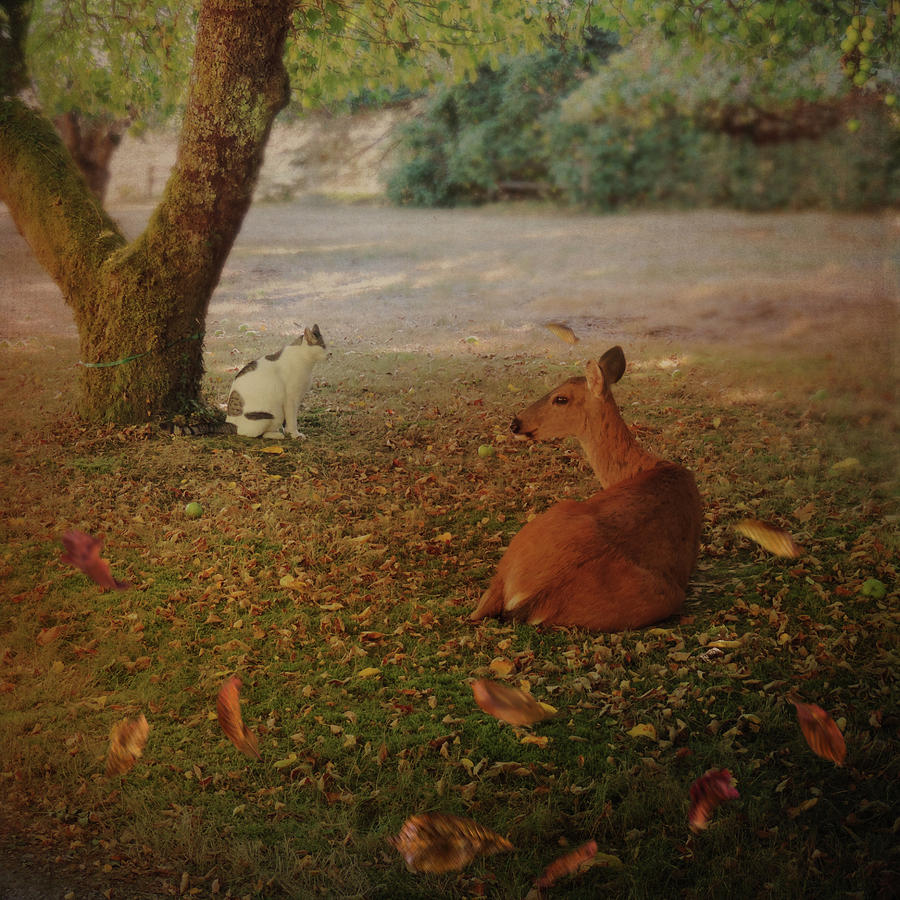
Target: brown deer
(622, 558)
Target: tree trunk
(91, 142)
(140, 308)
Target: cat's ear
(314, 337)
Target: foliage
(675, 125)
(771, 34)
(333, 578)
(474, 136)
(127, 61)
(659, 124)
(133, 60)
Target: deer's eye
(560, 400)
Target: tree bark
(140, 308)
(91, 142)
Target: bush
(662, 125)
(473, 138)
(658, 125)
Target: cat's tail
(199, 428)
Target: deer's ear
(612, 364)
(596, 381)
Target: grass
(363, 548)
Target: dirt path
(439, 280)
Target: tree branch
(66, 227)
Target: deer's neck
(611, 449)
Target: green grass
(365, 547)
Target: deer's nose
(515, 426)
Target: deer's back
(651, 519)
(654, 518)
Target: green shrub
(471, 138)
(657, 125)
(663, 125)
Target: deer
(619, 560)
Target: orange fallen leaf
(126, 743)
(563, 332)
(83, 552)
(437, 842)
(566, 865)
(48, 635)
(775, 540)
(228, 709)
(509, 704)
(501, 666)
(821, 732)
(707, 792)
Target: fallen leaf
(707, 792)
(369, 672)
(509, 704)
(844, 466)
(566, 865)
(501, 666)
(647, 731)
(775, 540)
(83, 552)
(48, 635)
(438, 842)
(228, 709)
(563, 332)
(274, 449)
(126, 743)
(821, 732)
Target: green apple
(873, 588)
(193, 510)
(485, 451)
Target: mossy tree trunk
(146, 301)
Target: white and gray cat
(266, 394)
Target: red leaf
(821, 732)
(565, 865)
(83, 552)
(228, 709)
(707, 792)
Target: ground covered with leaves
(334, 577)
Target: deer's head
(569, 409)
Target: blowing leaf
(437, 842)
(563, 332)
(707, 792)
(566, 865)
(509, 704)
(126, 743)
(83, 552)
(821, 732)
(228, 709)
(769, 538)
